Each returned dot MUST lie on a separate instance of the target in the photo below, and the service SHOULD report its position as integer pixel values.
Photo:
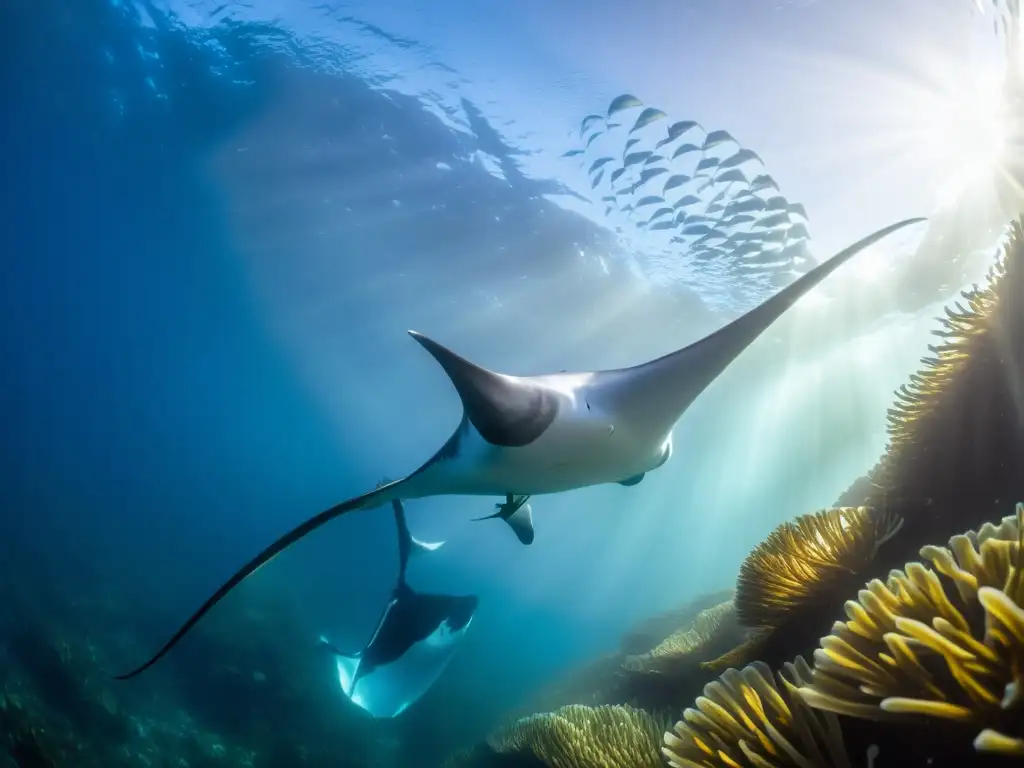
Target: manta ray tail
(518, 515)
(374, 498)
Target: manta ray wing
(507, 411)
(416, 638)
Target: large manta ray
(415, 638)
(524, 435)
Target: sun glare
(965, 130)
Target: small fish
(629, 144)
(596, 180)
(649, 174)
(592, 138)
(572, 153)
(649, 200)
(674, 181)
(705, 164)
(735, 175)
(682, 149)
(763, 182)
(659, 213)
(647, 117)
(636, 157)
(696, 229)
(625, 101)
(587, 122)
(676, 130)
(735, 221)
(774, 220)
(798, 210)
(653, 159)
(616, 174)
(746, 205)
(715, 138)
(744, 248)
(600, 162)
(662, 225)
(715, 208)
(685, 201)
(776, 203)
(740, 157)
(798, 232)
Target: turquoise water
(221, 219)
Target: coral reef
(923, 645)
(749, 717)
(802, 564)
(955, 437)
(575, 736)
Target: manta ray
(527, 435)
(415, 638)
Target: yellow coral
(686, 641)
(746, 718)
(808, 557)
(959, 328)
(921, 645)
(586, 737)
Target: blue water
(218, 223)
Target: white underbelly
(572, 453)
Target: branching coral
(586, 737)
(748, 718)
(945, 641)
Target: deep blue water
(214, 237)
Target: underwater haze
(221, 218)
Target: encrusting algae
(944, 640)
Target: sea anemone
(945, 641)
(586, 737)
(803, 562)
(748, 717)
(806, 557)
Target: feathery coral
(746, 718)
(960, 325)
(586, 737)
(951, 647)
(806, 557)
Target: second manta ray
(526, 435)
(415, 639)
